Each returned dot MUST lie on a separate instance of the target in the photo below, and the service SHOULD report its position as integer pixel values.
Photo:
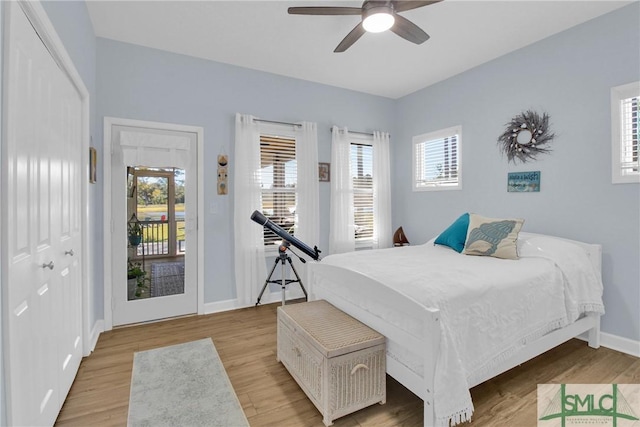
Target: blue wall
(569, 76)
(145, 84)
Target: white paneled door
(42, 173)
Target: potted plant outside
(136, 274)
(135, 231)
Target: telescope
(267, 223)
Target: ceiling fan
(377, 16)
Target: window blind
(361, 165)
(629, 136)
(437, 162)
(141, 148)
(278, 183)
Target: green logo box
(561, 405)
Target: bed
(453, 321)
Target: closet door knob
(69, 252)
(49, 266)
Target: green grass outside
(158, 208)
(152, 213)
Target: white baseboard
(267, 298)
(219, 306)
(97, 329)
(617, 343)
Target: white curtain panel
(250, 267)
(382, 237)
(308, 203)
(341, 221)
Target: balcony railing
(156, 239)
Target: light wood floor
(246, 342)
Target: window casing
(361, 166)
(437, 159)
(278, 182)
(625, 124)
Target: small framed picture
(324, 172)
(93, 160)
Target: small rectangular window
(436, 160)
(278, 179)
(625, 123)
(361, 163)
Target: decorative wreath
(517, 144)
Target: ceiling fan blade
(351, 38)
(401, 6)
(408, 30)
(322, 10)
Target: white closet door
(66, 137)
(42, 178)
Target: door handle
(49, 266)
(69, 252)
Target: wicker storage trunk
(337, 361)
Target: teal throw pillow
(456, 234)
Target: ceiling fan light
(378, 22)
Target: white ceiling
(262, 36)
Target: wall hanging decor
(523, 182)
(526, 136)
(324, 172)
(93, 165)
(223, 161)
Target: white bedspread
(489, 307)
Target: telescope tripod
(283, 258)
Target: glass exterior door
(156, 232)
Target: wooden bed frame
(429, 340)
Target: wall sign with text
(523, 182)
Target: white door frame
(47, 33)
(109, 122)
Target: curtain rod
(353, 131)
(276, 122)
(298, 124)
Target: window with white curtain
(361, 166)
(278, 183)
(437, 159)
(360, 210)
(625, 123)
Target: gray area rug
(182, 385)
(167, 278)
